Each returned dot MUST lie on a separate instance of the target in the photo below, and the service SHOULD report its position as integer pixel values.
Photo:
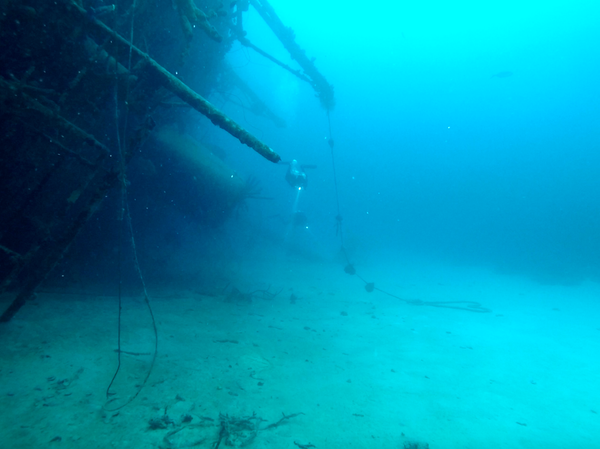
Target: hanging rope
(124, 214)
(338, 217)
(470, 306)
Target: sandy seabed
(332, 367)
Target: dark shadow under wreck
(83, 85)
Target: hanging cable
(470, 306)
(338, 218)
(124, 215)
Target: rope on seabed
(469, 306)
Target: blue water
(466, 153)
(434, 153)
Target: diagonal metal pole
(170, 82)
(288, 39)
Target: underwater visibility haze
(419, 268)
(463, 130)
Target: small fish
(505, 74)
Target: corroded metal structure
(83, 83)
